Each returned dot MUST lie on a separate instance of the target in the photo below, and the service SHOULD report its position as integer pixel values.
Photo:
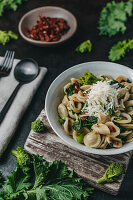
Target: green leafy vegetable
(62, 121)
(111, 111)
(37, 126)
(112, 173)
(120, 49)
(77, 125)
(90, 120)
(88, 79)
(9, 4)
(23, 159)
(69, 91)
(5, 36)
(114, 82)
(53, 181)
(80, 137)
(113, 17)
(84, 47)
(16, 184)
(118, 118)
(1, 179)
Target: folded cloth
(19, 105)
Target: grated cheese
(101, 97)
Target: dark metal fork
(7, 63)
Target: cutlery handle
(9, 102)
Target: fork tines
(7, 62)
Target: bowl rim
(41, 42)
(89, 150)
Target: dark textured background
(57, 59)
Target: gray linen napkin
(19, 105)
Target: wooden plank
(90, 167)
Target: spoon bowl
(26, 70)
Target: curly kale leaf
(90, 120)
(113, 17)
(16, 184)
(54, 181)
(69, 91)
(120, 49)
(5, 36)
(84, 47)
(9, 5)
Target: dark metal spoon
(25, 71)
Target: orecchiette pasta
(98, 111)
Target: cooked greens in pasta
(98, 111)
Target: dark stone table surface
(58, 59)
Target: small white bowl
(30, 19)
(55, 95)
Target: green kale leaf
(9, 5)
(54, 181)
(88, 79)
(84, 47)
(16, 184)
(113, 17)
(119, 85)
(90, 120)
(69, 91)
(5, 36)
(120, 49)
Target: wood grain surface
(90, 167)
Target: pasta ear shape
(73, 80)
(128, 103)
(122, 92)
(92, 140)
(104, 142)
(121, 78)
(130, 112)
(72, 115)
(116, 142)
(75, 106)
(63, 113)
(101, 129)
(125, 118)
(128, 126)
(103, 118)
(105, 76)
(129, 138)
(68, 126)
(131, 97)
(81, 96)
(125, 133)
(65, 101)
(85, 87)
(67, 86)
(114, 130)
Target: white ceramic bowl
(55, 95)
(30, 18)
